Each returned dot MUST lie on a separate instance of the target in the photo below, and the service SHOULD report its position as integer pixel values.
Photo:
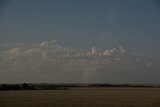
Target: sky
(84, 23)
(115, 41)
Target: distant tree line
(23, 86)
(27, 86)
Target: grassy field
(107, 97)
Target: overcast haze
(98, 41)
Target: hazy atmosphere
(80, 41)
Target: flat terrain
(105, 97)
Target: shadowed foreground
(89, 97)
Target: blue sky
(135, 24)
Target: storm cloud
(52, 62)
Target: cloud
(115, 52)
(53, 61)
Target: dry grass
(108, 97)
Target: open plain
(86, 97)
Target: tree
(25, 86)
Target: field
(89, 97)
